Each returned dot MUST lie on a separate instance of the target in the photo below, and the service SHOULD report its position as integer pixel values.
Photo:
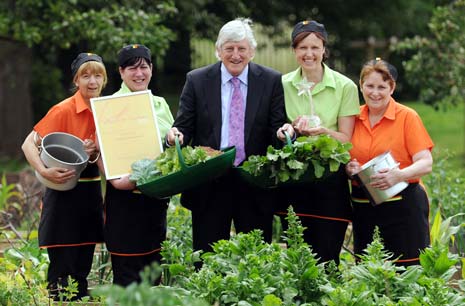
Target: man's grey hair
(236, 30)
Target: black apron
(328, 198)
(73, 217)
(402, 221)
(325, 211)
(135, 224)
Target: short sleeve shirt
(72, 116)
(335, 96)
(162, 110)
(399, 131)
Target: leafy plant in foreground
(178, 256)
(446, 188)
(376, 280)
(145, 293)
(247, 271)
(23, 275)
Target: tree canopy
(437, 65)
(95, 25)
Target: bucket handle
(181, 158)
(38, 139)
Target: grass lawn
(447, 129)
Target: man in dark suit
(213, 99)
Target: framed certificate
(127, 131)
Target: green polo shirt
(162, 110)
(335, 96)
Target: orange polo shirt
(399, 131)
(71, 116)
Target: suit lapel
(254, 93)
(212, 94)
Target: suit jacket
(199, 114)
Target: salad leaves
(146, 170)
(308, 155)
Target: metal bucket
(376, 195)
(65, 151)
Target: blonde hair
(95, 68)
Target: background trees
(437, 65)
(53, 33)
(43, 37)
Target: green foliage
(7, 192)
(247, 271)
(443, 126)
(105, 27)
(437, 66)
(11, 164)
(376, 280)
(146, 170)
(23, 275)
(49, 77)
(145, 294)
(436, 260)
(178, 255)
(318, 153)
(446, 189)
(101, 272)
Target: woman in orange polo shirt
(71, 221)
(385, 125)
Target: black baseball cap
(82, 58)
(309, 26)
(133, 51)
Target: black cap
(81, 59)
(392, 70)
(132, 51)
(309, 26)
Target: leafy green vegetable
(247, 271)
(146, 170)
(322, 154)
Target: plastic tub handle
(288, 138)
(178, 149)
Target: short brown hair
(301, 36)
(379, 66)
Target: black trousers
(225, 201)
(74, 261)
(325, 211)
(324, 236)
(127, 269)
(403, 224)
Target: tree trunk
(177, 62)
(15, 100)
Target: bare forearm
(31, 152)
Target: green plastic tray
(189, 176)
(264, 180)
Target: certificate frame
(127, 131)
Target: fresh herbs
(146, 170)
(314, 156)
